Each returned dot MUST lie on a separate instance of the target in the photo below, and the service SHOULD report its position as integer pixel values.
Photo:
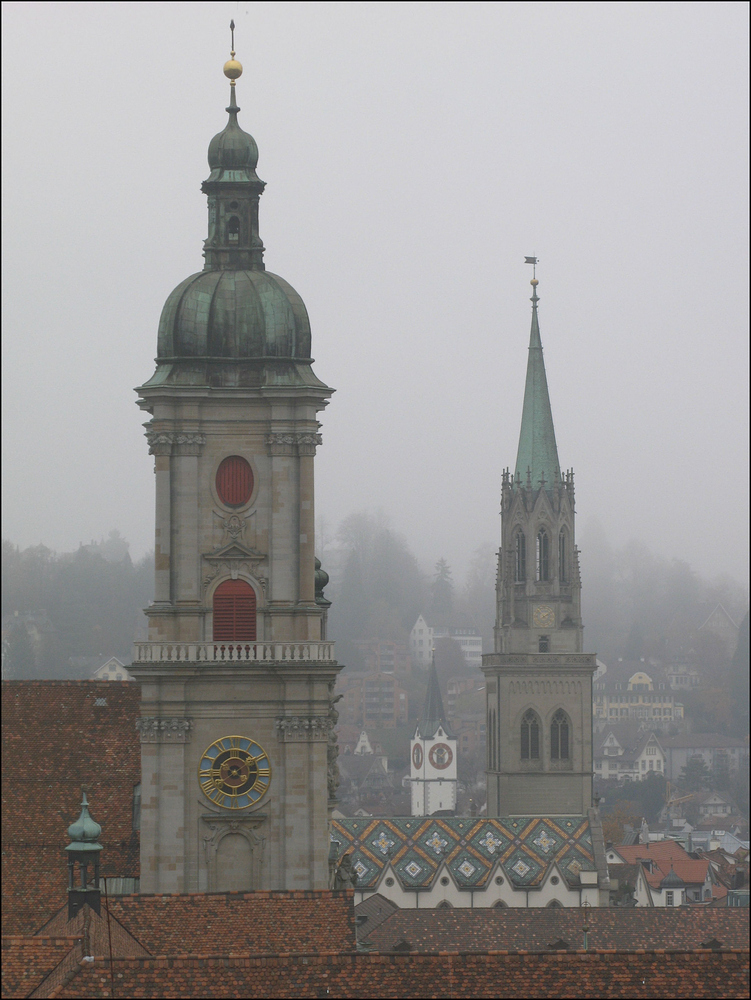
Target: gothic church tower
(237, 675)
(538, 680)
(433, 763)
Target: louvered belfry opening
(234, 612)
(234, 481)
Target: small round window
(234, 481)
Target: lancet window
(559, 736)
(520, 558)
(530, 736)
(542, 555)
(562, 562)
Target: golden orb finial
(534, 281)
(232, 68)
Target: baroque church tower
(238, 754)
(433, 763)
(538, 680)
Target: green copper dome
(233, 154)
(85, 832)
(234, 314)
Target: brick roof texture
(27, 961)
(55, 738)
(534, 930)
(229, 922)
(601, 974)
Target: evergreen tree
(695, 775)
(442, 590)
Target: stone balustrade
(231, 652)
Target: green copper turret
(537, 457)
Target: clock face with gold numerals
(234, 772)
(543, 616)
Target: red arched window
(234, 481)
(234, 612)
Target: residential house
(112, 670)
(460, 629)
(717, 750)
(634, 691)
(372, 700)
(670, 875)
(628, 753)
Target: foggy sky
(414, 153)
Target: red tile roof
(535, 929)
(28, 961)
(658, 850)
(600, 974)
(227, 922)
(56, 738)
(692, 872)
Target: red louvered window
(234, 481)
(234, 612)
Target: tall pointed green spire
(433, 715)
(537, 458)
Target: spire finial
(534, 282)
(232, 68)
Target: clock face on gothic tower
(543, 616)
(234, 772)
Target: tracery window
(530, 736)
(559, 736)
(520, 562)
(542, 555)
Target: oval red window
(234, 612)
(234, 481)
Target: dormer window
(233, 230)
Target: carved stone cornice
(154, 729)
(168, 442)
(293, 443)
(300, 729)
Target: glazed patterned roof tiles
(602, 974)
(471, 848)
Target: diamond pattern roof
(417, 847)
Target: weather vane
(232, 68)
(527, 260)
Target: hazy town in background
(606, 139)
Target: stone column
(162, 802)
(282, 547)
(306, 444)
(160, 446)
(186, 548)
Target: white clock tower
(433, 757)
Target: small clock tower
(433, 756)
(236, 728)
(538, 679)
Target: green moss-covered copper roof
(234, 314)
(433, 715)
(537, 452)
